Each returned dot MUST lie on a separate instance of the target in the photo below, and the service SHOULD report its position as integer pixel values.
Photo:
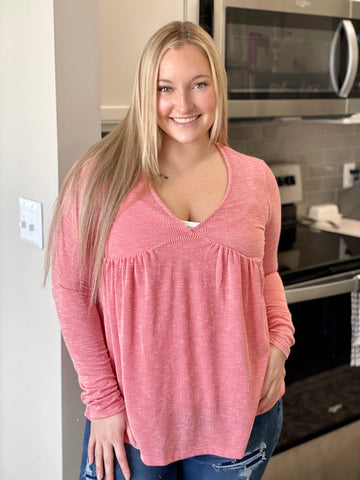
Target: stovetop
(309, 254)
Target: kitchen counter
(345, 226)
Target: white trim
(113, 114)
(191, 10)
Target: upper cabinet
(125, 26)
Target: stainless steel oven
(323, 390)
(287, 57)
(319, 270)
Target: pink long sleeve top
(184, 319)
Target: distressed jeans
(262, 442)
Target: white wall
(125, 27)
(48, 116)
(30, 411)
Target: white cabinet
(125, 26)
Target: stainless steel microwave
(287, 57)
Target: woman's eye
(200, 85)
(164, 89)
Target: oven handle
(328, 288)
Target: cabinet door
(125, 26)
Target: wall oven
(287, 57)
(319, 270)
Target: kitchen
(320, 148)
(277, 39)
(311, 153)
(321, 154)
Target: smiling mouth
(186, 120)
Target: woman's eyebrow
(192, 80)
(201, 76)
(164, 80)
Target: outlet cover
(31, 222)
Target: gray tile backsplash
(320, 149)
(349, 201)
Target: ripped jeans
(262, 442)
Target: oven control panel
(288, 177)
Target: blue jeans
(262, 442)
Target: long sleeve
(281, 329)
(82, 328)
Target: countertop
(345, 226)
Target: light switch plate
(31, 222)
(348, 177)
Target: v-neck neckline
(180, 221)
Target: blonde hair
(112, 167)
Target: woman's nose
(184, 101)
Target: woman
(164, 247)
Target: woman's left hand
(273, 379)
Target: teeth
(185, 120)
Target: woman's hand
(107, 437)
(273, 379)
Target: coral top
(184, 318)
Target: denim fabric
(262, 442)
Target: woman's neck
(178, 157)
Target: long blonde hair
(113, 166)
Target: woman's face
(186, 99)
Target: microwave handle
(353, 58)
